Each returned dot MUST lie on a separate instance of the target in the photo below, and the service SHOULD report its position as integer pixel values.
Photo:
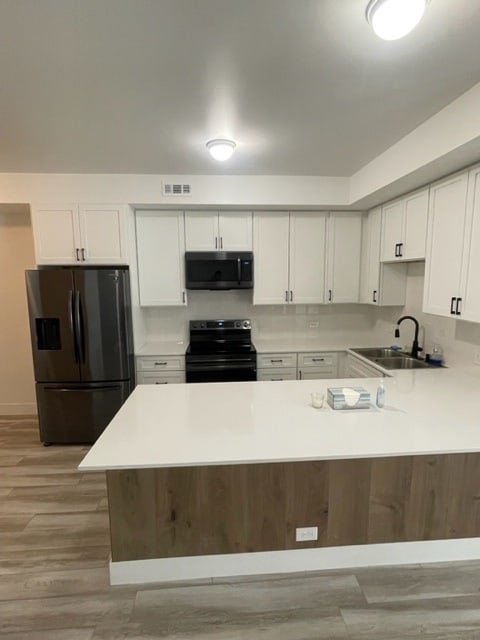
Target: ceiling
(139, 86)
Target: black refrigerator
(82, 344)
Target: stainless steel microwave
(217, 270)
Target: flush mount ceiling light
(393, 19)
(221, 149)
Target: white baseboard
(294, 561)
(18, 409)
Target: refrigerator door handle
(79, 327)
(71, 315)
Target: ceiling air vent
(176, 189)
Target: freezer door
(103, 320)
(50, 294)
(76, 414)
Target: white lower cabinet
(317, 365)
(357, 368)
(276, 366)
(161, 258)
(160, 369)
(309, 365)
(277, 374)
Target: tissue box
(348, 398)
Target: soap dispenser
(436, 357)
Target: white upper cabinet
(344, 238)
(307, 257)
(404, 227)
(80, 234)
(218, 230)
(380, 284)
(160, 258)
(447, 223)
(289, 257)
(270, 257)
(469, 305)
(453, 248)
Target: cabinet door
(201, 231)
(103, 234)
(392, 230)
(469, 306)
(160, 255)
(307, 257)
(415, 226)
(343, 261)
(445, 236)
(356, 368)
(370, 271)
(235, 230)
(56, 233)
(270, 261)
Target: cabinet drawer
(314, 373)
(318, 360)
(171, 377)
(160, 363)
(268, 360)
(277, 374)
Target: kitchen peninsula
(214, 479)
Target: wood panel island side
(215, 479)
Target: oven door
(204, 369)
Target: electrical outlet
(476, 356)
(303, 534)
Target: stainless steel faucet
(415, 347)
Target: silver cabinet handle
(300, 374)
(318, 359)
(83, 254)
(221, 242)
(184, 297)
(160, 364)
(77, 253)
(277, 360)
(329, 295)
(286, 296)
(291, 296)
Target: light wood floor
(54, 550)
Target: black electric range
(220, 351)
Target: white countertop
(426, 411)
(162, 348)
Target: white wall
(17, 391)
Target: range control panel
(198, 325)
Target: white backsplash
(336, 325)
(459, 339)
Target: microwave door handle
(239, 270)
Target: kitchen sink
(391, 358)
(379, 352)
(403, 362)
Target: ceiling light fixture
(221, 149)
(393, 19)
